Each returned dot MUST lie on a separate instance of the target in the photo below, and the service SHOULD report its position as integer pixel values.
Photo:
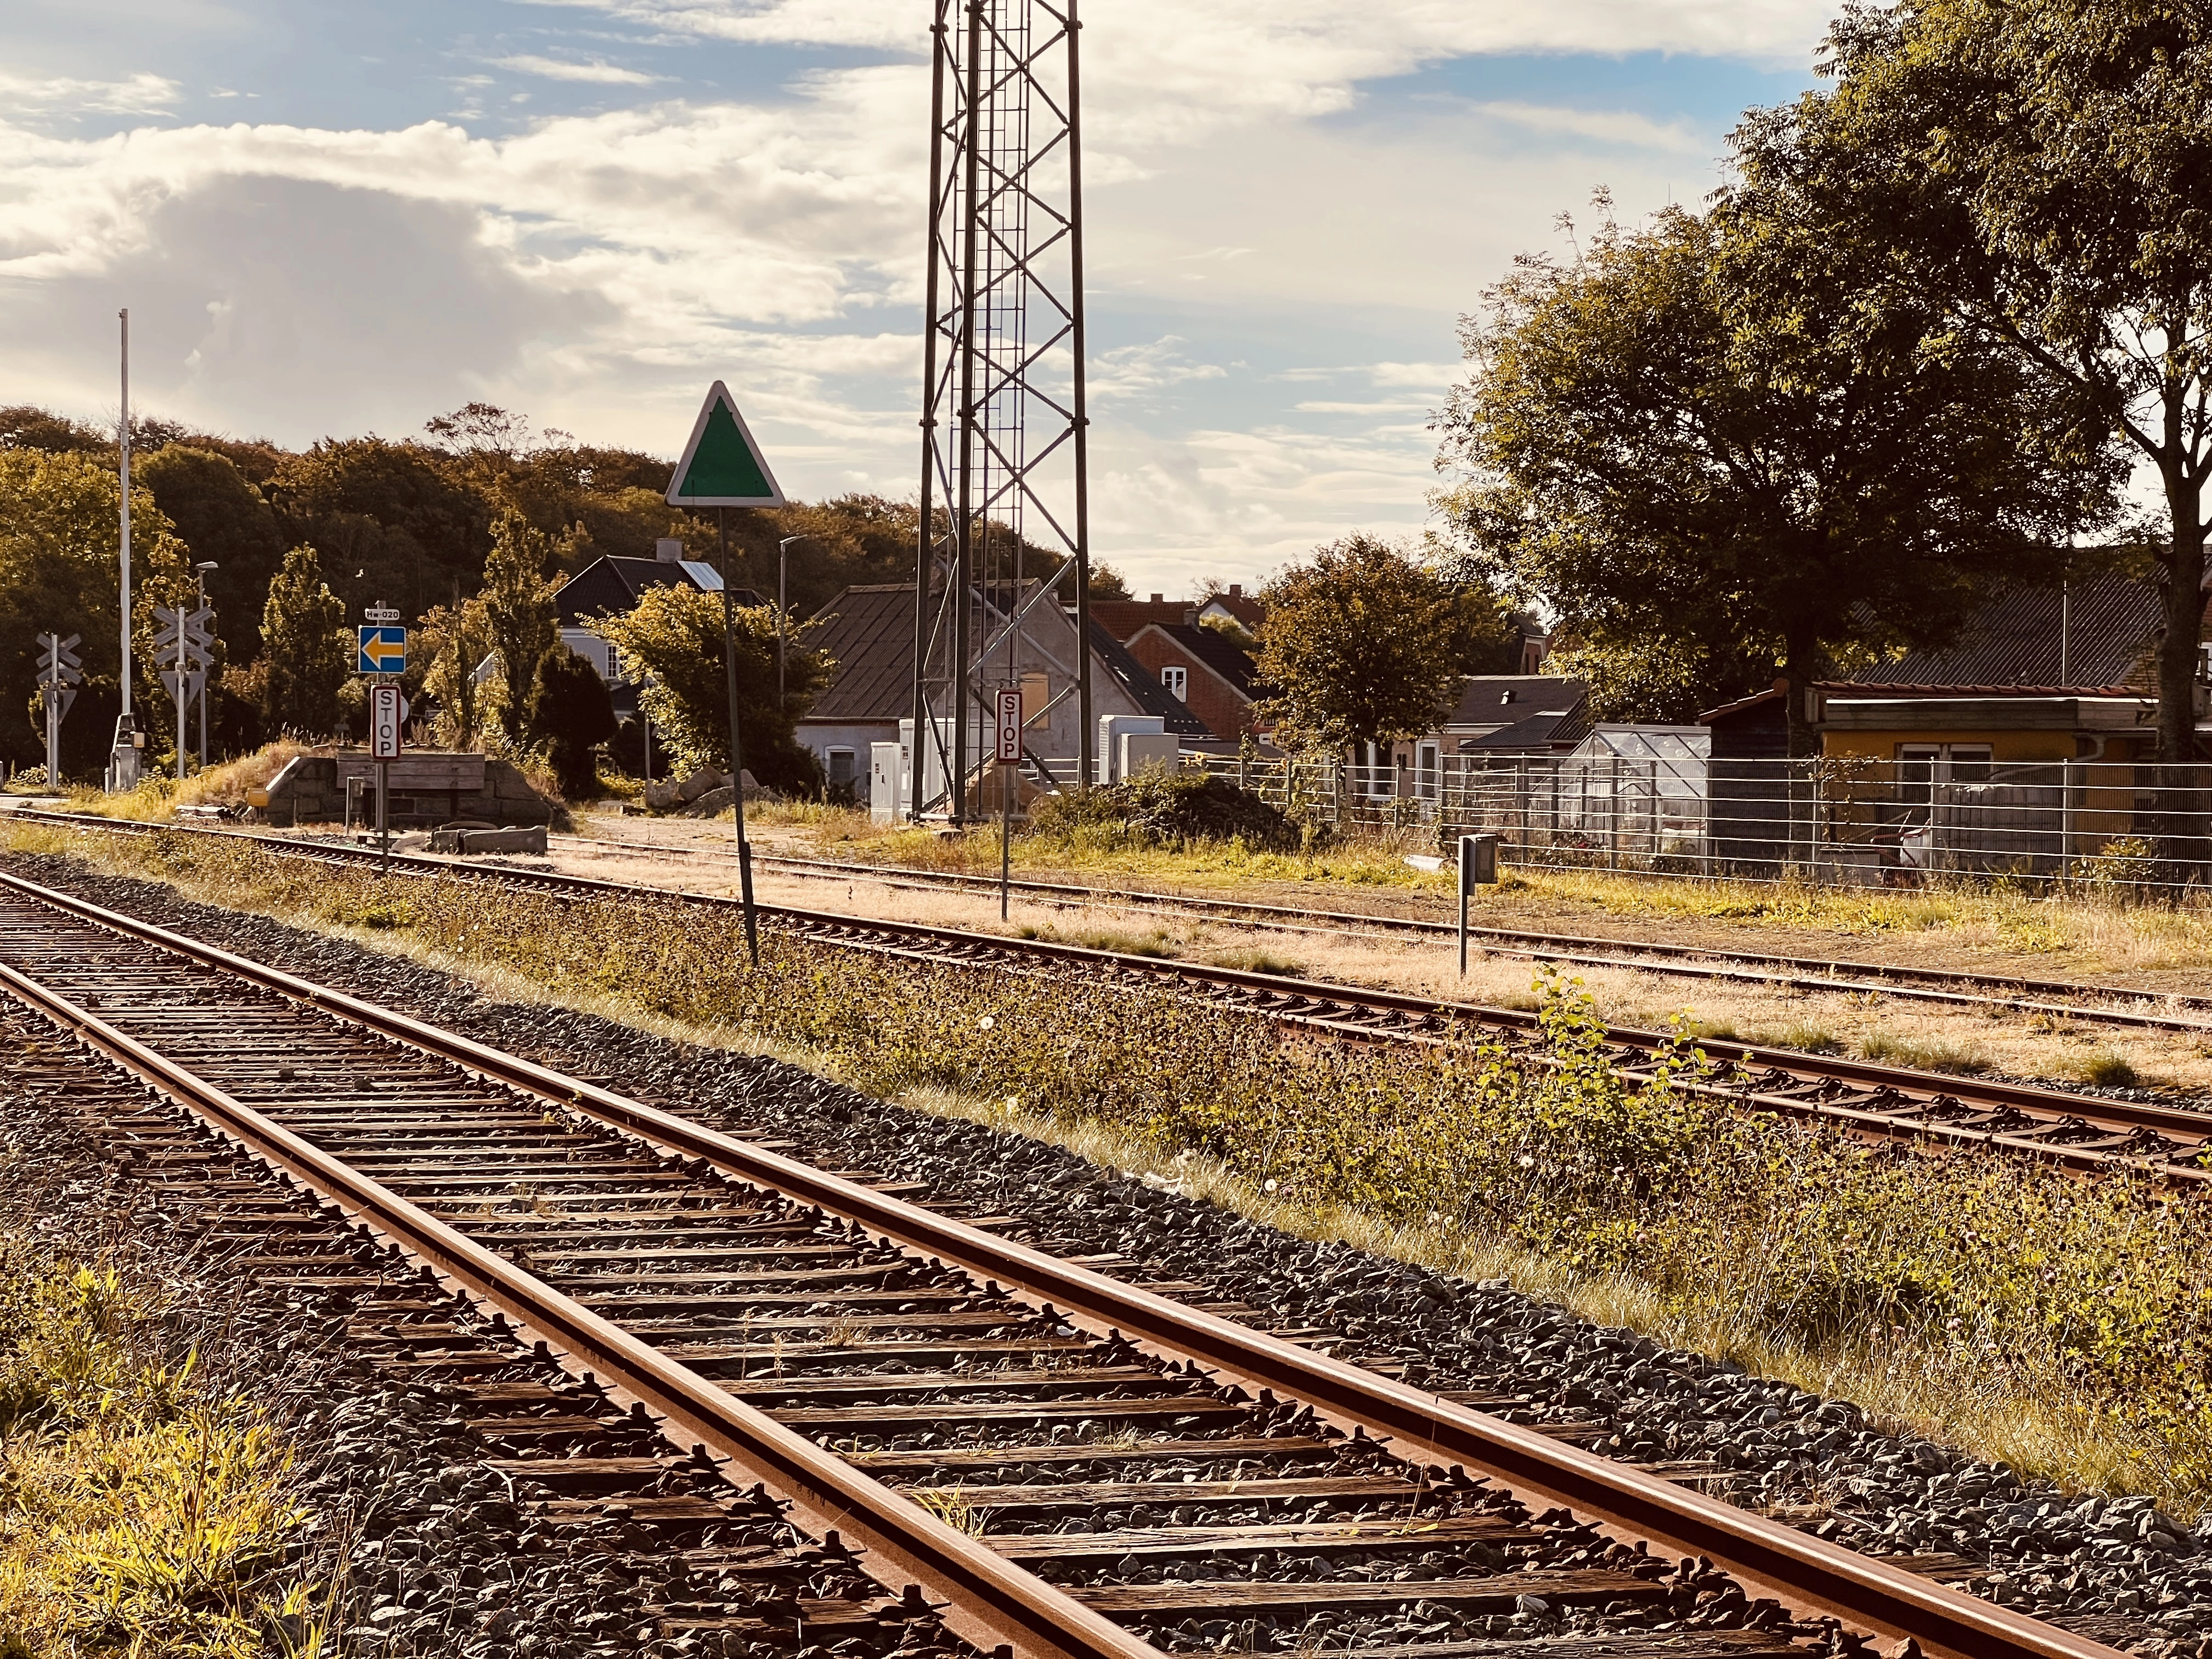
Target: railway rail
(2104, 1005)
(1052, 1461)
(2168, 1142)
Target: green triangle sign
(722, 465)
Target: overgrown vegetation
(2099, 924)
(2074, 1316)
(143, 1510)
(1158, 807)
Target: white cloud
(1133, 371)
(1621, 127)
(139, 94)
(555, 68)
(1432, 376)
(596, 271)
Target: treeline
(302, 540)
(1908, 355)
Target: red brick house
(1214, 676)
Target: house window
(1429, 768)
(1177, 681)
(1922, 766)
(840, 769)
(614, 666)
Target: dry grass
(2078, 931)
(2017, 1043)
(950, 1505)
(158, 795)
(2004, 1307)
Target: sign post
(383, 718)
(1009, 760)
(123, 759)
(185, 638)
(381, 650)
(723, 467)
(59, 670)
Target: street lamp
(782, 568)
(200, 570)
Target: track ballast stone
(2117, 1569)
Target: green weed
(2107, 1069)
(1922, 1054)
(140, 1511)
(1878, 1260)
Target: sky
(330, 218)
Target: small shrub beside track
(141, 1509)
(1971, 1267)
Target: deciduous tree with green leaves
(450, 642)
(60, 513)
(673, 637)
(1729, 429)
(221, 517)
(571, 715)
(516, 606)
(2037, 170)
(1364, 643)
(307, 650)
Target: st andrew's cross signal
(59, 672)
(183, 647)
(723, 467)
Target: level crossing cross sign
(723, 466)
(382, 650)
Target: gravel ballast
(2117, 1569)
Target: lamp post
(200, 571)
(782, 568)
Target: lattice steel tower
(1003, 468)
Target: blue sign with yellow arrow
(383, 650)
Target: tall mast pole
(1086, 761)
(926, 531)
(123, 436)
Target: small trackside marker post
(1478, 863)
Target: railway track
(2103, 1005)
(2168, 1142)
(1051, 1461)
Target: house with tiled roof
(1209, 672)
(868, 632)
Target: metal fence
(1842, 821)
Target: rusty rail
(988, 1600)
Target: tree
(24, 426)
(306, 651)
(673, 636)
(571, 715)
(390, 521)
(1725, 429)
(1362, 645)
(451, 642)
(1108, 583)
(1658, 682)
(2038, 168)
(516, 604)
(221, 517)
(60, 539)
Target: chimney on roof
(1237, 590)
(669, 550)
(1159, 598)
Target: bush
(1159, 808)
(570, 713)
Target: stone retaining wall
(427, 788)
